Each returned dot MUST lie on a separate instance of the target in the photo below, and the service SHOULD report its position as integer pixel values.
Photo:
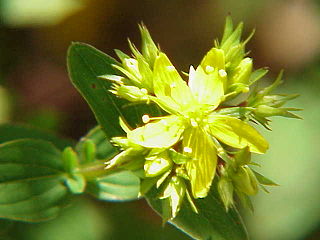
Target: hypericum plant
(182, 141)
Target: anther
(187, 150)
(144, 91)
(170, 68)
(222, 73)
(209, 69)
(145, 118)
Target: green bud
(178, 158)
(156, 165)
(76, 183)
(89, 150)
(181, 172)
(131, 93)
(175, 192)
(70, 160)
(277, 100)
(162, 179)
(225, 189)
(245, 180)
(242, 72)
(149, 48)
(234, 56)
(128, 155)
(267, 111)
(146, 73)
(231, 39)
(121, 142)
(242, 157)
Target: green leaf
(9, 132)
(117, 186)
(212, 221)
(31, 181)
(85, 65)
(237, 133)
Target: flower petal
(214, 59)
(207, 88)
(168, 83)
(201, 169)
(237, 133)
(160, 134)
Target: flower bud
(225, 189)
(156, 165)
(149, 48)
(245, 181)
(70, 159)
(175, 192)
(131, 65)
(267, 111)
(131, 93)
(242, 72)
(243, 157)
(128, 155)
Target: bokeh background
(34, 89)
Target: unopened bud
(242, 72)
(225, 189)
(245, 181)
(131, 93)
(175, 192)
(156, 165)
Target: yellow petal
(160, 134)
(168, 83)
(214, 58)
(201, 169)
(206, 88)
(237, 134)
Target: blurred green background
(34, 89)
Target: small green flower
(200, 127)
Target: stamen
(187, 150)
(209, 69)
(145, 118)
(193, 122)
(173, 85)
(170, 68)
(222, 73)
(144, 91)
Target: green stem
(94, 170)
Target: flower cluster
(202, 131)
